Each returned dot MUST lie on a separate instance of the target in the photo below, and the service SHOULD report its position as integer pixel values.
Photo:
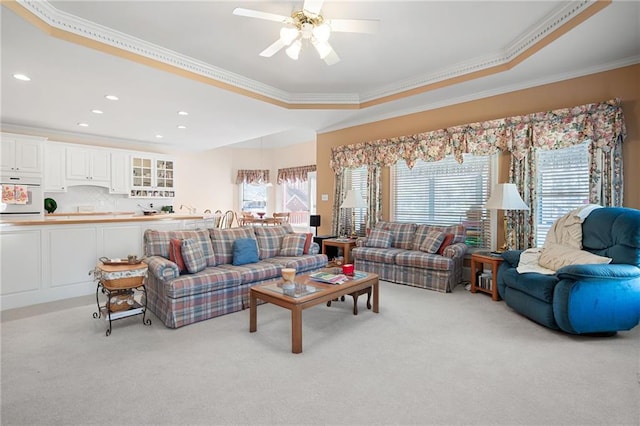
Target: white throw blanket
(565, 231)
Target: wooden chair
(282, 217)
(227, 219)
(244, 218)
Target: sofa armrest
(314, 248)
(605, 272)
(162, 268)
(512, 257)
(456, 250)
(361, 242)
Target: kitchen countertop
(79, 218)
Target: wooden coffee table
(308, 293)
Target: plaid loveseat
(220, 288)
(426, 256)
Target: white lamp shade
(505, 196)
(353, 200)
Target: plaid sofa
(404, 259)
(221, 288)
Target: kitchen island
(49, 258)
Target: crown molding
(474, 68)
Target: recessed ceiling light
(181, 126)
(183, 113)
(21, 77)
(112, 97)
(159, 136)
(96, 111)
(83, 125)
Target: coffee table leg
(375, 297)
(253, 312)
(296, 330)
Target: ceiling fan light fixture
(293, 51)
(322, 32)
(288, 34)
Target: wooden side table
(478, 260)
(345, 244)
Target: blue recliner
(584, 299)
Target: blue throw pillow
(245, 250)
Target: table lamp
(353, 200)
(505, 196)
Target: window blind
(445, 193)
(562, 185)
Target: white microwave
(21, 196)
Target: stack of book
(485, 280)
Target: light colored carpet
(427, 358)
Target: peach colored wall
(622, 83)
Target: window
(253, 197)
(298, 198)
(356, 179)
(562, 185)
(446, 193)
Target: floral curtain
(252, 176)
(340, 191)
(295, 174)
(602, 123)
(374, 196)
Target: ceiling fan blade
(368, 26)
(312, 8)
(262, 15)
(273, 49)
(332, 58)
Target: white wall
(206, 180)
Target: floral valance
(602, 123)
(295, 174)
(252, 176)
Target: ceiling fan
(309, 26)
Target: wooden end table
(346, 244)
(478, 260)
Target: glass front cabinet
(152, 177)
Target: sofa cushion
(292, 245)
(307, 242)
(402, 233)
(156, 243)
(432, 241)
(193, 256)
(379, 238)
(245, 250)
(459, 233)
(419, 259)
(375, 254)
(555, 256)
(206, 281)
(175, 254)
(301, 264)
(269, 240)
(448, 240)
(536, 285)
(222, 241)
(254, 272)
(613, 232)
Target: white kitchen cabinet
(72, 253)
(21, 270)
(152, 176)
(120, 172)
(21, 155)
(54, 168)
(87, 166)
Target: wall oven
(21, 196)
